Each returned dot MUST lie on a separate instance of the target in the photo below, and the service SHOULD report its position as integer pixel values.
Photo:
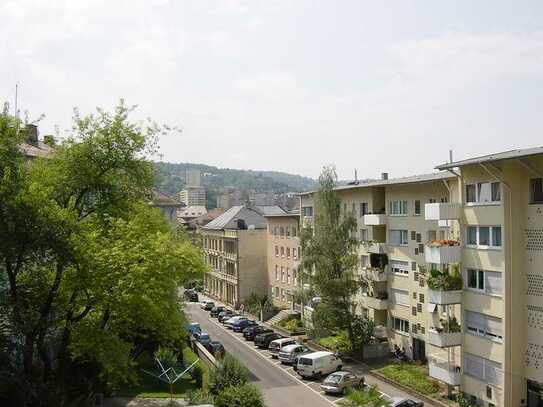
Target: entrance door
(419, 350)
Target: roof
(161, 199)
(267, 210)
(283, 215)
(434, 176)
(230, 218)
(39, 149)
(192, 212)
(318, 354)
(505, 155)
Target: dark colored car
(224, 315)
(250, 333)
(215, 311)
(241, 325)
(216, 349)
(191, 295)
(263, 340)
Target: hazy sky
(290, 85)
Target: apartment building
(193, 196)
(283, 248)
(234, 246)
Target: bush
(246, 395)
(229, 372)
(200, 396)
(410, 376)
(443, 281)
(200, 372)
(291, 324)
(336, 343)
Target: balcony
(380, 302)
(442, 297)
(444, 371)
(443, 252)
(442, 211)
(376, 248)
(444, 339)
(375, 219)
(375, 274)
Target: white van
(276, 346)
(318, 364)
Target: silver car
(340, 382)
(403, 402)
(289, 353)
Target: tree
(228, 373)
(257, 304)
(370, 397)
(362, 331)
(93, 272)
(329, 256)
(246, 395)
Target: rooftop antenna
(355, 175)
(451, 156)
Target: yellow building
(283, 258)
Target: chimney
(32, 134)
(384, 176)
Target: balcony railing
(445, 297)
(442, 211)
(375, 219)
(442, 253)
(444, 339)
(375, 274)
(377, 248)
(377, 303)
(447, 372)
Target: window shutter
(416, 276)
(414, 311)
(413, 235)
(416, 251)
(419, 237)
(419, 307)
(413, 266)
(493, 282)
(414, 295)
(421, 248)
(421, 297)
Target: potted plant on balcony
(451, 325)
(444, 281)
(443, 242)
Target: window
(288, 252)
(487, 282)
(294, 276)
(276, 292)
(363, 208)
(282, 251)
(399, 297)
(417, 208)
(398, 237)
(536, 191)
(399, 267)
(282, 294)
(288, 275)
(400, 325)
(307, 211)
(276, 272)
(421, 298)
(294, 253)
(483, 192)
(275, 230)
(483, 369)
(419, 307)
(484, 236)
(287, 229)
(483, 325)
(397, 208)
(282, 231)
(363, 235)
(276, 251)
(364, 261)
(282, 274)
(294, 231)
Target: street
(279, 383)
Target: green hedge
(410, 376)
(200, 372)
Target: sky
(387, 86)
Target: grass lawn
(412, 376)
(150, 386)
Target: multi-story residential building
(283, 244)
(193, 196)
(167, 205)
(235, 250)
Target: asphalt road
(279, 383)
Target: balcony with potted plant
(377, 271)
(443, 252)
(375, 247)
(447, 335)
(445, 287)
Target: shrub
(246, 395)
(200, 396)
(336, 343)
(410, 376)
(292, 323)
(451, 325)
(200, 371)
(443, 281)
(229, 372)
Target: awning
(431, 307)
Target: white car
(278, 344)
(230, 322)
(318, 364)
(403, 402)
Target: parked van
(317, 364)
(276, 345)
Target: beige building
(235, 251)
(482, 218)
(193, 196)
(283, 248)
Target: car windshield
(204, 336)
(333, 378)
(305, 361)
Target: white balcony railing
(375, 219)
(443, 254)
(445, 297)
(442, 370)
(377, 248)
(376, 303)
(444, 339)
(375, 274)
(442, 211)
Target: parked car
(208, 305)
(240, 325)
(191, 295)
(216, 349)
(202, 337)
(340, 382)
(403, 402)
(276, 346)
(224, 315)
(317, 364)
(229, 323)
(215, 311)
(263, 340)
(193, 327)
(252, 332)
(289, 353)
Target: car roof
(343, 372)
(291, 347)
(281, 340)
(318, 354)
